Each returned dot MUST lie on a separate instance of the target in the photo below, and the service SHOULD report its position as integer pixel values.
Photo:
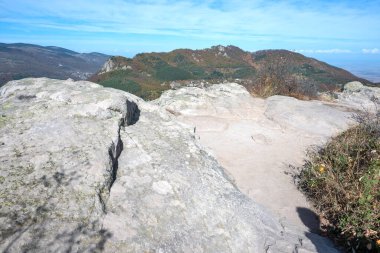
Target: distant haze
(365, 66)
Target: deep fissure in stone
(114, 151)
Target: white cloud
(274, 20)
(304, 51)
(323, 51)
(371, 51)
(333, 51)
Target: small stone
(162, 187)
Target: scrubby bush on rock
(342, 179)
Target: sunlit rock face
(85, 168)
(260, 142)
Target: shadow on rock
(311, 220)
(32, 232)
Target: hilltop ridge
(20, 60)
(148, 74)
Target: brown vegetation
(264, 73)
(277, 79)
(343, 181)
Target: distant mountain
(148, 74)
(26, 60)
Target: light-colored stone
(257, 139)
(175, 85)
(87, 169)
(108, 66)
(162, 187)
(359, 97)
(354, 86)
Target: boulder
(354, 86)
(89, 169)
(359, 97)
(108, 66)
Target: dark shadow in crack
(115, 162)
(133, 114)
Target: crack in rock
(130, 116)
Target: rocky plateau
(85, 168)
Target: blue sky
(126, 27)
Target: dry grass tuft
(343, 181)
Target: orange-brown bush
(276, 79)
(343, 182)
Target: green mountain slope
(148, 74)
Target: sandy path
(256, 140)
(257, 161)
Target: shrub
(196, 71)
(215, 75)
(278, 79)
(244, 72)
(342, 180)
(122, 84)
(170, 73)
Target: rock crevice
(130, 115)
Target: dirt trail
(256, 140)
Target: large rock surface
(256, 139)
(87, 169)
(359, 97)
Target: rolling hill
(26, 60)
(148, 74)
